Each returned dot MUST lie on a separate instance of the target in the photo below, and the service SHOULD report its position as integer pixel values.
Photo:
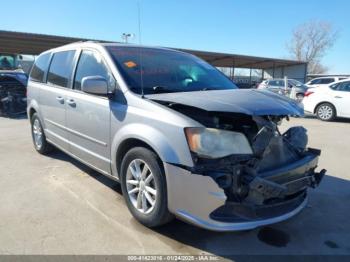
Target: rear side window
(280, 82)
(344, 86)
(326, 80)
(91, 64)
(322, 81)
(40, 67)
(315, 81)
(334, 86)
(61, 68)
(276, 83)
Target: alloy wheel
(325, 112)
(141, 186)
(38, 134)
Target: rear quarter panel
(321, 94)
(33, 95)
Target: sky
(250, 27)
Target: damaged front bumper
(272, 196)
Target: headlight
(215, 143)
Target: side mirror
(96, 85)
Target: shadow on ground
(319, 229)
(337, 120)
(15, 116)
(96, 175)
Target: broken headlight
(216, 143)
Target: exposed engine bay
(12, 95)
(280, 168)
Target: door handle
(71, 102)
(60, 99)
(338, 97)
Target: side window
(61, 68)
(91, 64)
(326, 80)
(280, 83)
(335, 86)
(314, 82)
(272, 83)
(40, 67)
(344, 86)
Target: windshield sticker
(130, 64)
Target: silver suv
(175, 132)
(285, 87)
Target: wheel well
(126, 145)
(324, 102)
(31, 113)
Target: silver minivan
(177, 134)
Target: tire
(39, 139)
(325, 112)
(150, 190)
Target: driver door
(88, 116)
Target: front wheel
(144, 187)
(325, 112)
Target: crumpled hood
(246, 101)
(6, 75)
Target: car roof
(98, 45)
(343, 80)
(322, 77)
(280, 79)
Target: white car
(329, 102)
(323, 81)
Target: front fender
(171, 149)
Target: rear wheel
(325, 112)
(144, 187)
(39, 139)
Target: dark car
(13, 83)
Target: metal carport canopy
(34, 44)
